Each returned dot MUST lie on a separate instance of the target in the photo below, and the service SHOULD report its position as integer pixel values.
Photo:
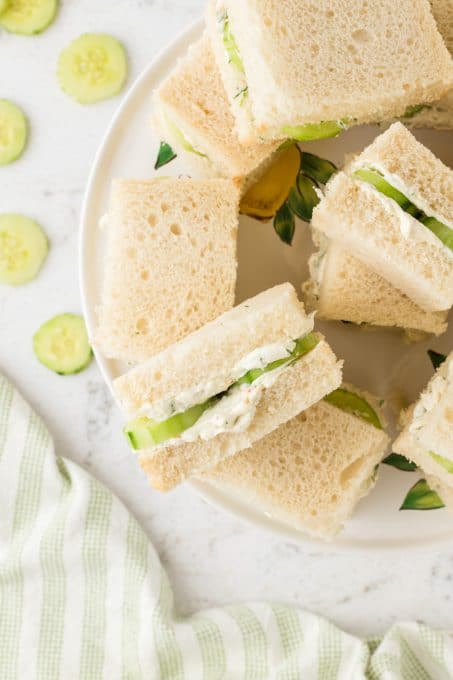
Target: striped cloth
(83, 594)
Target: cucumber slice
(181, 139)
(92, 67)
(443, 233)
(144, 433)
(28, 17)
(230, 46)
(61, 344)
(441, 230)
(353, 403)
(311, 131)
(13, 132)
(378, 182)
(23, 249)
(444, 462)
(4, 4)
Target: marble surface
(211, 557)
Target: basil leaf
(284, 224)
(444, 462)
(400, 462)
(437, 359)
(164, 156)
(319, 169)
(422, 497)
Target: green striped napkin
(83, 594)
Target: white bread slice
(170, 265)
(309, 473)
(345, 289)
(311, 62)
(439, 114)
(432, 432)
(194, 99)
(273, 316)
(413, 169)
(298, 387)
(372, 228)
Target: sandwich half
(307, 70)
(439, 114)
(191, 113)
(311, 472)
(170, 264)
(225, 386)
(392, 209)
(342, 288)
(427, 437)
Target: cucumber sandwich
(170, 265)
(305, 70)
(192, 114)
(311, 471)
(385, 233)
(225, 386)
(427, 437)
(438, 114)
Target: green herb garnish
(400, 462)
(165, 155)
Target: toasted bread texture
(330, 61)
(373, 229)
(439, 114)
(348, 290)
(273, 316)
(170, 264)
(427, 437)
(309, 473)
(297, 388)
(193, 98)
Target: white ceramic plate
(377, 360)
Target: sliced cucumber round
(61, 344)
(92, 67)
(13, 132)
(23, 249)
(28, 17)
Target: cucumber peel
(13, 132)
(312, 131)
(373, 177)
(443, 462)
(230, 45)
(62, 345)
(353, 403)
(92, 67)
(23, 249)
(28, 17)
(145, 433)
(181, 139)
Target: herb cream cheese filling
(209, 409)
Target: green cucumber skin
(144, 433)
(15, 27)
(84, 356)
(443, 462)
(352, 403)
(375, 179)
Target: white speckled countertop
(211, 557)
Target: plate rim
(210, 494)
